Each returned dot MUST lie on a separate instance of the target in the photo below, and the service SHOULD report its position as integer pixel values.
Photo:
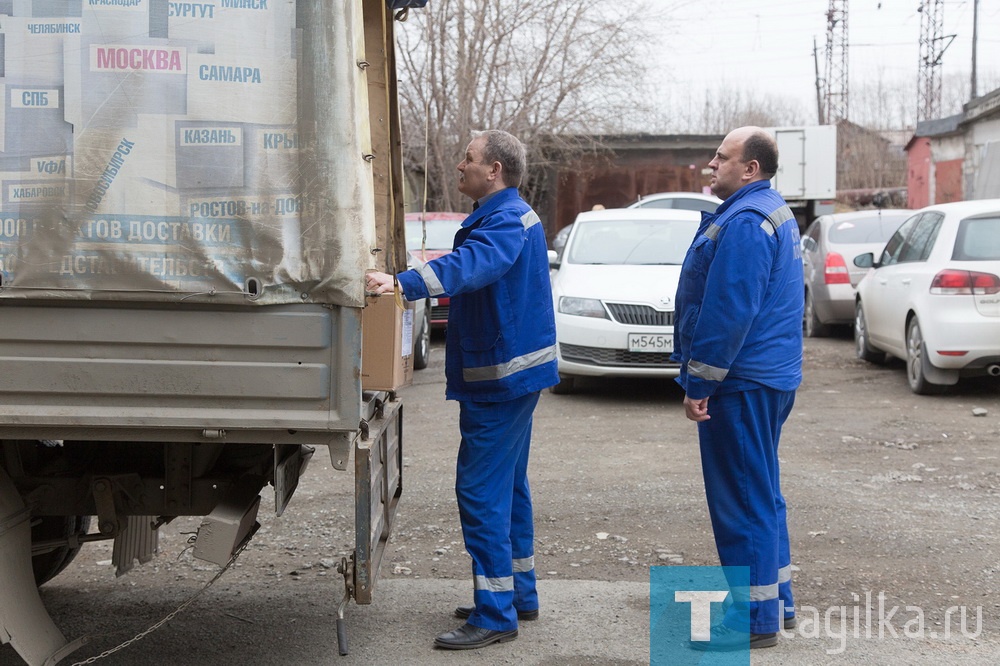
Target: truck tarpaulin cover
(161, 151)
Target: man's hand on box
(379, 283)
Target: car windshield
(440, 234)
(621, 242)
(978, 239)
(868, 229)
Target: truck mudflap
(24, 622)
(378, 485)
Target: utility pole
(836, 62)
(819, 83)
(932, 48)
(975, 46)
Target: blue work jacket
(501, 338)
(740, 296)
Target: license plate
(650, 342)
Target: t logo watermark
(685, 603)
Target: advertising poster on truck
(151, 149)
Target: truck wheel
(48, 565)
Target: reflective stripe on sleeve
(776, 219)
(524, 564)
(530, 219)
(434, 286)
(713, 231)
(517, 364)
(504, 584)
(705, 371)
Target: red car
(440, 231)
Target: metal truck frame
(136, 404)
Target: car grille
(615, 357)
(640, 315)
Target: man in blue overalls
(739, 342)
(499, 354)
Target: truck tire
(47, 566)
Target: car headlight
(582, 307)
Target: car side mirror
(553, 259)
(866, 260)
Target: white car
(613, 289)
(679, 201)
(675, 200)
(933, 297)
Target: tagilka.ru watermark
(686, 602)
(879, 621)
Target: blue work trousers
(739, 458)
(494, 504)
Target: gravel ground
(889, 494)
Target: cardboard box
(386, 343)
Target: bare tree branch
(536, 68)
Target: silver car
(829, 247)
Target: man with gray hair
(499, 354)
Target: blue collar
(744, 191)
(489, 203)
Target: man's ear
(496, 171)
(751, 170)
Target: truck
(807, 170)
(192, 193)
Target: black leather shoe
(724, 639)
(463, 612)
(468, 637)
(790, 623)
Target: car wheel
(862, 345)
(422, 342)
(48, 565)
(812, 327)
(916, 361)
(565, 385)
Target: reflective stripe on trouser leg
(739, 453)
(495, 441)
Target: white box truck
(192, 193)
(807, 169)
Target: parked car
(829, 247)
(421, 324)
(679, 201)
(933, 297)
(613, 291)
(671, 200)
(440, 229)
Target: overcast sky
(767, 45)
